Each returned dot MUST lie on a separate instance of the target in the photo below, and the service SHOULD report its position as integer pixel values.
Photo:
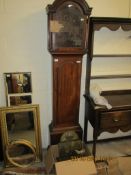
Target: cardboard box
(84, 166)
(74, 166)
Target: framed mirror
(19, 100)
(21, 123)
(18, 88)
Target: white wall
(23, 47)
(110, 8)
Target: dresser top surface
(119, 100)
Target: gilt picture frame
(16, 125)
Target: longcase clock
(67, 42)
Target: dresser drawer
(115, 119)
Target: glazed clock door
(68, 16)
(68, 26)
(67, 78)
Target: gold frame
(23, 142)
(4, 131)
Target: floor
(117, 154)
(112, 149)
(115, 148)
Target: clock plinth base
(55, 133)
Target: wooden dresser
(102, 119)
(110, 120)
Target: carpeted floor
(35, 169)
(115, 148)
(118, 155)
(115, 152)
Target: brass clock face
(68, 26)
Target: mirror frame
(16, 94)
(4, 132)
(22, 142)
(19, 101)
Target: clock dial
(68, 26)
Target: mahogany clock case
(67, 42)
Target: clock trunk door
(67, 78)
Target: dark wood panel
(119, 100)
(111, 23)
(115, 119)
(117, 92)
(67, 90)
(111, 76)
